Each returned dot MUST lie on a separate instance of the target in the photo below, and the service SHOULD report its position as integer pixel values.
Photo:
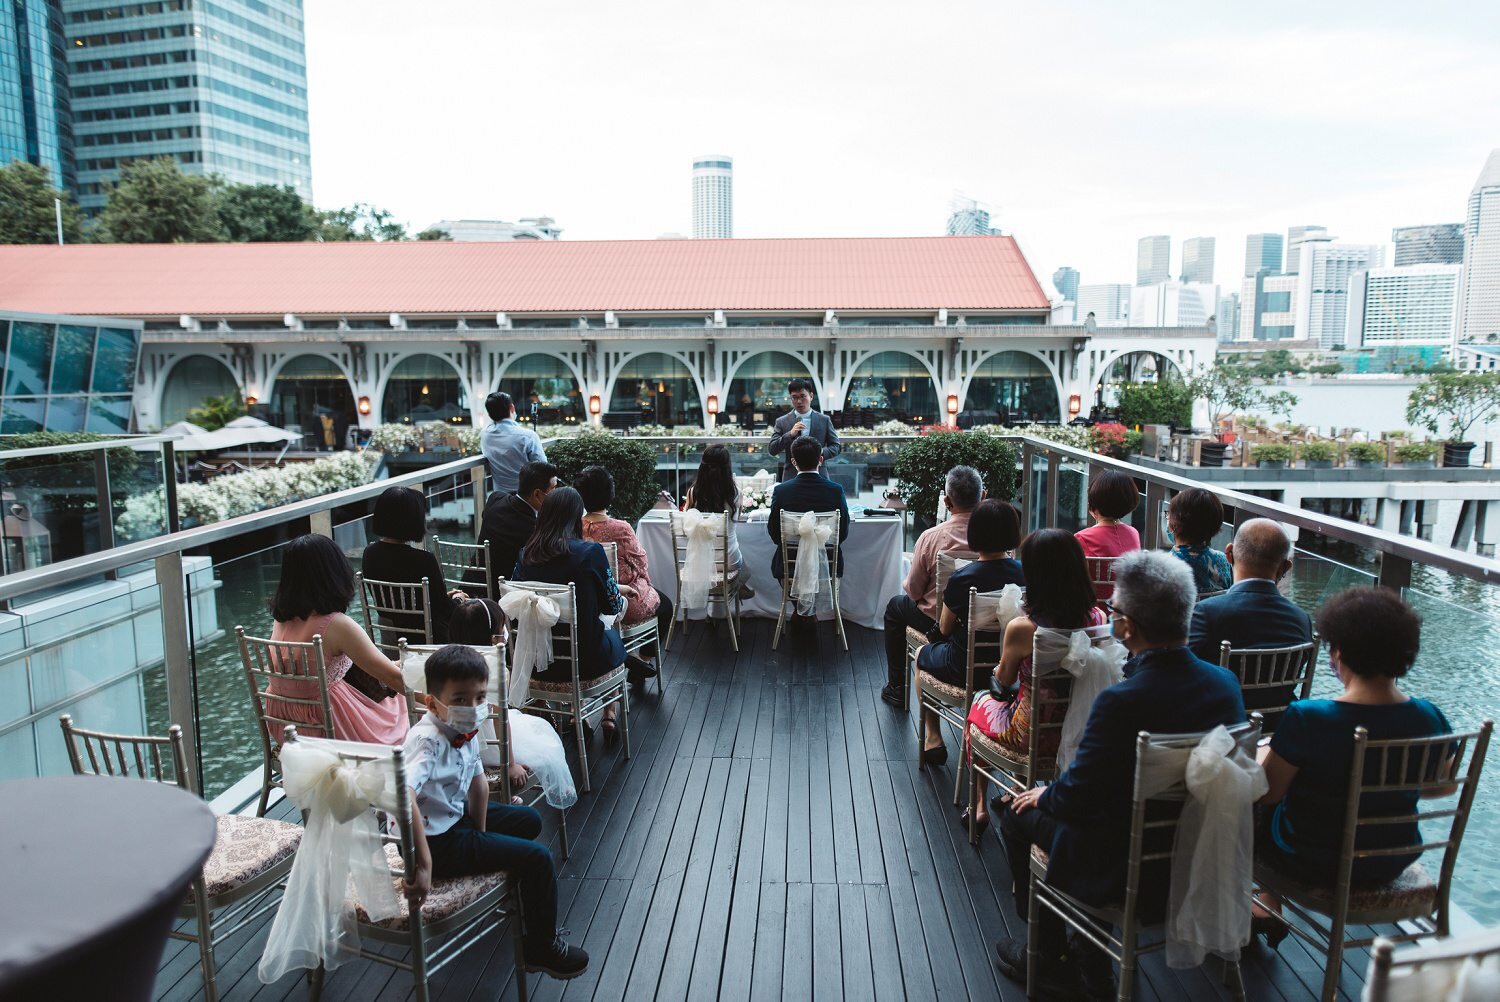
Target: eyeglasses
(1113, 609)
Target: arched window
(312, 396)
(891, 385)
(424, 388)
(757, 395)
(654, 388)
(192, 381)
(546, 383)
(1132, 367)
(1012, 388)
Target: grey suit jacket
(819, 428)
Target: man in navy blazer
(1083, 819)
(802, 422)
(809, 490)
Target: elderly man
(506, 445)
(1083, 819)
(917, 606)
(802, 422)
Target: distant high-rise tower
(1479, 297)
(1296, 236)
(1198, 260)
(36, 124)
(1262, 253)
(1153, 260)
(1066, 280)
(713, 198)
(1440, 244)
(969, 219)
(1110, 304)
(1322, 298)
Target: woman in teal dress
(1194, 518)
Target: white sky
(1084, 124)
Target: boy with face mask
(460, 833)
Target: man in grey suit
(802, 420)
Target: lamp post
(953, 409)
(713, 411)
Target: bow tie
(459, 740)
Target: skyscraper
(1173, 304)
(969, 219)
(1066, 281)
(1415, 304)
(1153, 260)
(1440, 244)
(1227, 318)
(1262, 253)
(1198, 260)
(220, 87)
(1479, 299)
(1110, 304)
(1296, 236)
(1323, 288)
(713, 198)
(36, 123)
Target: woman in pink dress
(1112, 497)
(316, 587)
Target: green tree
(28, 214)
(923, 463)
(1275, 362)
(1329, 368)
(434, 233)
(215, 412)
(1462, 398)
(257, 213)
(1230, 388)
(155, 202)
(1166, 401)
(360, 221)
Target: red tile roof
(898, 273)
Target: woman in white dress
(714, 492)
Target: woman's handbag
(367, 685)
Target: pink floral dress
(356, 717)
(633, 569)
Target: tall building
(1323, 288)
(1066, 281)
(1110, 304)
(1227, 318)
(1198, 260)
(1268, 307)
(1173, 304)
(1479, 297)
(221, 87)
(36, 122)
(1415, 304)
(1153, 260)
(969, 219)
(713, 198)
(1296, 236)
(473, 230)
(1440, 244)
(1262, 253)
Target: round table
(96, 868)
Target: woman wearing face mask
(1372, 637)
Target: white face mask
(466, 719)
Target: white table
(873, 565)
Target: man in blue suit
(809, 490)
(1083, 819)
(802, 422)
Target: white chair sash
(535, 615)
(995, 609)
(1094, 667)
(1458, 979)
(698, 568)
(340, 851)
(1212, 857)
(535, 744)
(811, 577)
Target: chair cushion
(1411, 893)
(1039, 857)
(244, 848)
(952, 694)
(588, 685)
(915, 638)
(448, 897)
(993, 750)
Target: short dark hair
(595, 485)
(1059, 593)
(994, 527)
(1375, 632)
(1113, 494)
(535, 477)
(454, 663)
(556, 527)
(400, 513)
(499, 406)
(1195, 516)
(316, 580)
(806, 453)
(799, 385)
(477, 621)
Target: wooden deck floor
(771, 838)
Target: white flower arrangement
(895, 428)
(755, 499)
(395, 438)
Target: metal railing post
(177, 656)
(1395, 572)
(1156, 500)
(106, 504)
(1054, 470)
(476, 476)
(169, 484)
(320, 523)
(1027, 503)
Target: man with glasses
(509, 519)
(802, 421)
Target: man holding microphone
(802, 420)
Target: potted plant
(1367, 454)
(1416, 455)
(1271, 456)
(1463, 399)
(1230, 388)
(1318, 455)
(923, 464)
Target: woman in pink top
(1112, 497)
(316, 587)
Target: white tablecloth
(873, 567)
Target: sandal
(611, 730)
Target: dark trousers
(1018, 833)
(507, 843)
(901, 612)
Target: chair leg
(1033, 951)
(780, 618)
(974, 800)
(517, 935)
(583, 751)
(562, 829)
(1127, 961)
(734, 639)
(838, 615)
(960, 766)
(671, 626)
(315, 983)
(1234, 981)
(418, 959)
(205, 939)
(265, 791)
(625, 721)
(1335, 963)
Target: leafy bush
(1110, 439)
(1133, 442)
(395, 438)
(1166, 401)
(1271, 452)
(1463, 399)
(1367, 452)
(215, 412)
(1319, 452)
(895, 428)
(1416, 452)
(632, 463)
(922, 465)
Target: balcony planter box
(1271, 464)
(1457, 453)
(1318, 464)
(1369, 464)
(1417, 464)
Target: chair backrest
(564, 633)
(718, 522)
(299, 670)
(612, 554)
(1101, 571)
(128, 754)
(1272, 670)
(464, 563)
(1051, 694)
(791, 540)
(948, 562)
(1430, 971)
(1213, 593)
(395, 609)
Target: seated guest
(400, 519)
(1083, 819)
(1373, 637)
(714, 492)
(557, 553)
(597, 488)
(808, 491)
(1059, 595)
(509, 519)
(1194, 517)
(312, 599)
(460, 832)
(994, 531)
(917, 605)
(1112, 497)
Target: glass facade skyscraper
(36, 124)
(713, 198)
(1066, 281)
(1440, 244)
(1153, 260)
(1479, 296)
(219, 85)
(1198, 260)
(67, 373)
(1262, 253)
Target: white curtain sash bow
(698, 568)
(535, 616)
(994, 612)
(1094, 667)
(811, 576)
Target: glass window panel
(547, 384)
(30, 358)
(892, 385)
(425, 388)
(66, 413)
(312, 396)
(114, 366)
(1012, 388)
(109, 415)
(71, 360)
(758, 392)
(655, 388)
(20, 415)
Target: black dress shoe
(638, 670)
(1054, 980)
(894, 695)
(935, 756)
